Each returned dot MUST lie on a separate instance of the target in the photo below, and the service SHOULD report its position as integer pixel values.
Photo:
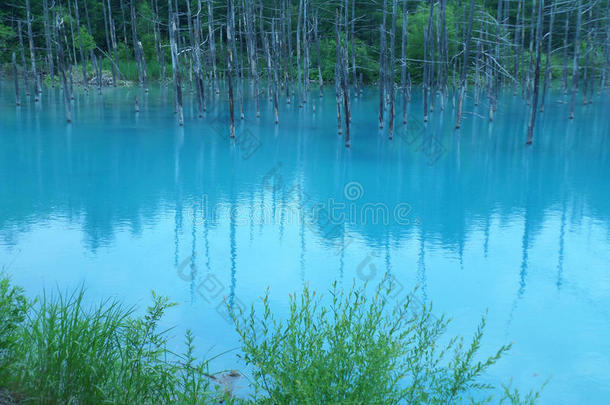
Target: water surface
(128, 203)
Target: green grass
(349, 348)
(56, 350)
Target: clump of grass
(59, 351)
(361, 350)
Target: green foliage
(353, 349)
(87, 40)
(360, 350)
(63, 352)
(13, 309)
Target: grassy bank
(347, 348)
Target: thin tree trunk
(403, 57)
(15, 75)
(230, 46)
(575, 64)
(464, 66)
(47, 36)
(317, 43)
(299, 75)
(176, 69)
(212, 42)
(565, 54)
(391, 70)
(23, 63)
(32, 52)
(62, 69)
(547, 68)
(530, 129)
(83, 61)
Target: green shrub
(64, 352)
(360, 350)
(13, 309)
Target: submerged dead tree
(547, 68)
(32, 52)
(530, 128)
(47, 38)
(61, 66)
(137, 47)
(464, 72)
(575, 71)
(196, 45)
(382, 65)
(391, 85)
(230, 62)
(24, 67)
(403, 58)
(176, 68)
(16, 77)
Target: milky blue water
(128, 203)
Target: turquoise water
(128, 203)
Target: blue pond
(128, 203)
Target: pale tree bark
(547, 68)
(576, 61)
(317, 44)
(463, 75)
(62, 68)
(176, 69)
(230, 62)
(23, 63)
(83, 61)
(338, 92)
(212, 42)
(382, 65)
(299, 74)
(16, 78)
(403, 57)
(565, 54)
(530, 129)
(391, 69)
(47, 37)
(32, 52)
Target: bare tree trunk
(212, 44)
(230, 46)
(576, 56)
(530, 129)
(97, 67)
(83, 61)
(114, 43)
(352, 36)
(403, 57)
(391, 70)
(547, 68)
(175, 68)
(276, 63)
(122, 3)
(62, 69)
(157, 35)
(565, 54)
(338, 74)
(306, 84)
(317, 43)
(32, 53)
(382, 63)
(464, 66)
(299, 85)
(17, 98)
(137, 47)
(427, 63)
(23, 63)
(47, 36)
